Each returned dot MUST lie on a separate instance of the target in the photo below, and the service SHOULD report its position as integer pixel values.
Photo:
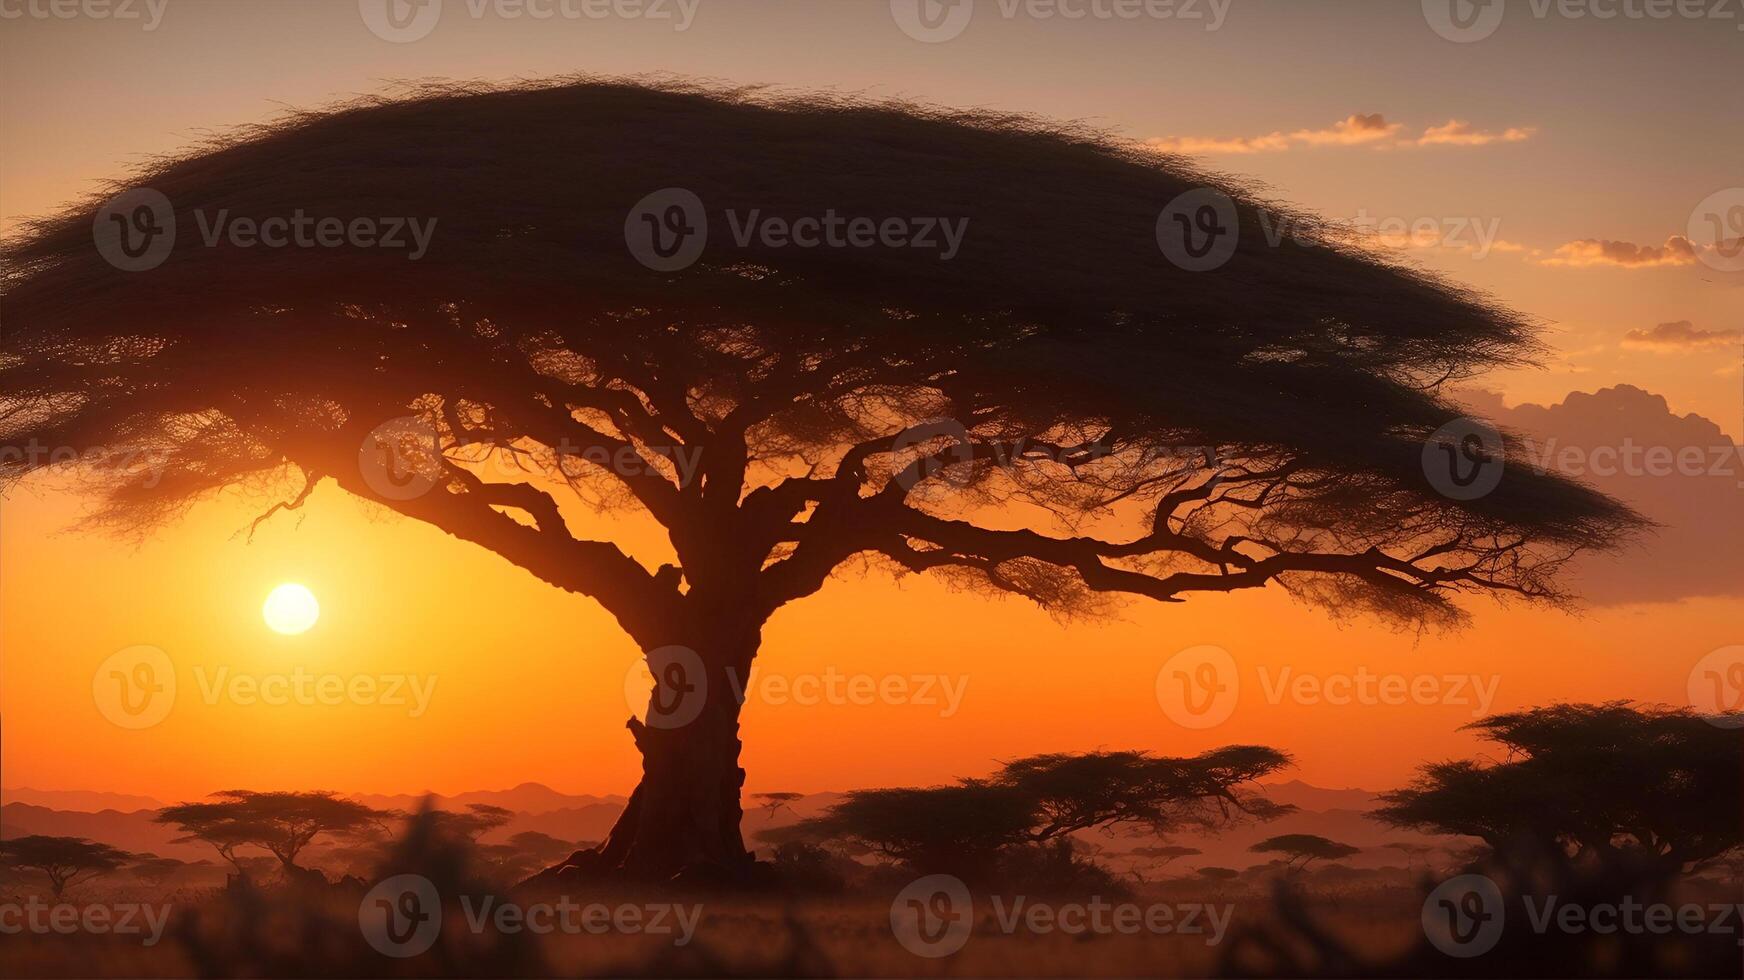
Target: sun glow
(290, 609)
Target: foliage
(66, 861)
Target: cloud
(1680, 471)
(1352, 130)
(1679, 335)
(1358, 129)
(1458, 132)
(1677, 250)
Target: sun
(290, 609)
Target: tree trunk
(682, 821)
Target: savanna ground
(279, 931)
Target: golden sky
(1552, 164)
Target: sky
(1562, 164)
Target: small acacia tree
(1304, 848)
(1043, 799)
(1634, 790)
(281, 822)
(1058, 411)
(66, 861)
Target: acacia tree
(66, 861)
(1304, 848)
(1057, 411)
(1042, 800)
(281, 822)
(1635, 790)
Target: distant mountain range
(120, 820)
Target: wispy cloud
(1457, 132)
(1372, 130)
(1679, 335)
(1584, 252)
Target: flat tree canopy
(1057, 410)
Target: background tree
(66, 861)
(1304, 848)
(473, 822)
(281, 822)
(1057, 411)
(1215, 873)
(774, 802)
(221, 825)
(1635, 790)
(1042, 800)
(1166, 854)
(154, 870)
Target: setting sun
(290, 609)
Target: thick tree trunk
(682, 821)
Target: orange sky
(1619, 129)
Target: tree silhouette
(1219, 874)
(67, 861)
(1043, 799)
(1167, 854)
(217, 824)
(1636, 790)
(154, 870)
(1057, 412)
(1303, 847)
(475, 820)
(774, 802)
(281, 822)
